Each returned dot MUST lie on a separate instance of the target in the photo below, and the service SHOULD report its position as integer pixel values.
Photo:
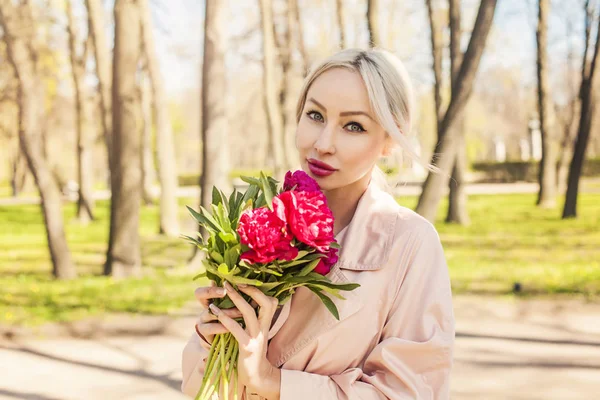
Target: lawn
(508, 241)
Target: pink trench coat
(395, 336)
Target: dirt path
(505, 349)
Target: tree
(299, 33)
(22, 46)
(213, 128)
(85, 175)
(271, 88)
(436, 51)
(147, 161)
(167, 166)
(96, 29)
(547, 174)
(373, 23)
(445, 151)
(588, 71)
(339, 12)
(124, 253)
(457, 198)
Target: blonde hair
(389, 89)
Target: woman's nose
(325, 141)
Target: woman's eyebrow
(317, 103)
(342, 114)
(348, 113)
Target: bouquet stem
(221, 367)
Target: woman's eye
(355, 127)
(315, 116)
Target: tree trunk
(96, 29)
(214, 129)
(270, 88)
(583, 132)
(547, 174)
(457, 197)
(373, 23)
(435, 182)
(293, 4)
(19, 172)
(85, 177)
(436, 52)
(285, 46)
(167, 165)
(339, 11)
(124, 254)
(22, 53)
(147, 164)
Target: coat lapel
(365, 246)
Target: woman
(395, 335)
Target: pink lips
(320, 168)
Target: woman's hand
(254, 369)
(206, 325)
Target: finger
(246, 309)
(235, 328)
(267, 304)
(208, 317)
(205, 293)
(208, 330)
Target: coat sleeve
(414, 356)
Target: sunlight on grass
(508, 241)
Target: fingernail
(227, 285)
(242, 285)
(214, 309)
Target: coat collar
(366, 241)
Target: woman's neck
(343, 202)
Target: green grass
(29, 295)
(508, 241)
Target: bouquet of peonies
(276, 239)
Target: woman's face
(337, 138)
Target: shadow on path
(140, 373)
(25, 395)
(528, 340)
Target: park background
(115, 115)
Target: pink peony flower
(266, 235)
(326, 263)
(302, 181)
(307, 216)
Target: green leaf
(216, 196)
(309, 268)
(192, 240)
(210, 218)
(294, 263)
(249, 180)
(233, 206)
(271, 285)
(217, 257)
(238, 279)
(267, 190)
(200, 275)
(208, 223)
(232, 255)
(327, 302)
(340, 286)
(335, 245)
(223, 269)
(329, 290)
(228, 237)
(250, 194)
